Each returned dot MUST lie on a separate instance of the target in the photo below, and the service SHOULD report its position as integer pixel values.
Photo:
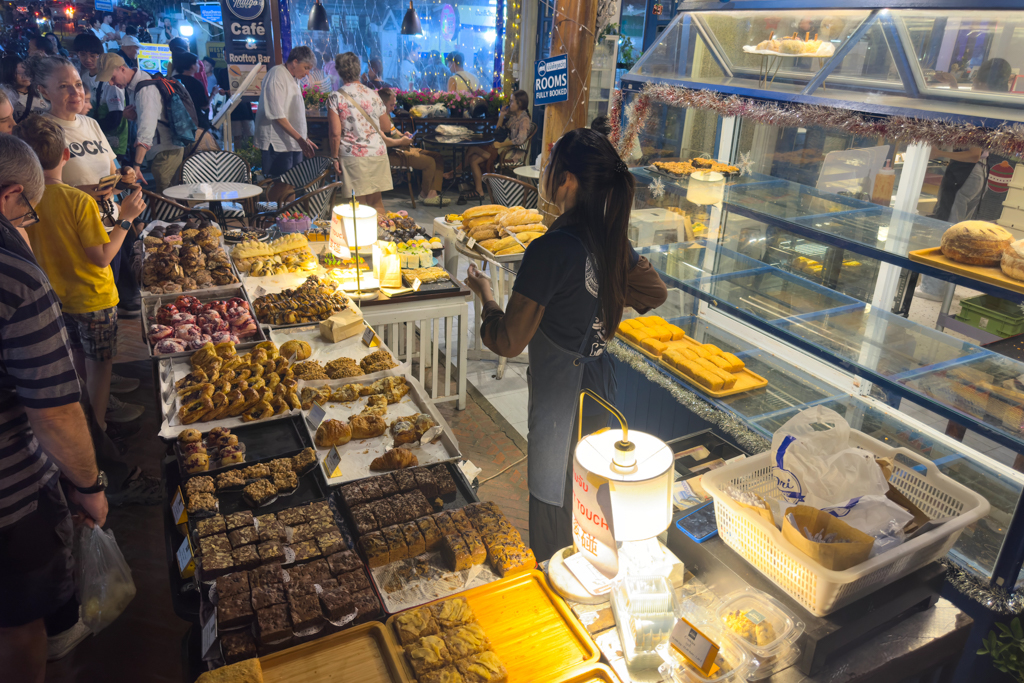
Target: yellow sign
(216, 52)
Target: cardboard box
(342, 325)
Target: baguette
(527, 237)
(477, 222)
(489, 244)
(519, 217)
(529, 227)
(504, 243)
(483, 210)
(511, 250)
(482, 234)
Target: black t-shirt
(559, 274)
(200, 100)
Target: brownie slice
(455, 553)
(232, 584)
(272, 531)
(298, 589)
(397, 549)
(337, 603)
(266, 575)
(425, 482)
(211, 526)
(307, 550)
(292, 516)
(477, 551)
(265, 519)
(405, 480)
(331, 542)
(319, 510)
(270, 551)
(445, 524)
(216, 564)
(238, 519)
(402, 509)
(431, 534)
(344, 561)
(246, 557)
(305, 611)
(371, 490)
(367, 605)
(443, 479)
(214, 544)
(364, 520)
(234, 611)
(321, 525)
(353, 582)
(302, 532)
(414, 539)
(273, 624)
(418, 504)
(385, 513)
(352, 494)
(375, 548)
(268, 595)
(387, 485)
(243, 536)
(461, 522)
(237, 646)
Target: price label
(460, 235)
(416, 284)
(693, 645)
(471, 243)
(369, 338)
(186, 562)
(209, 635)
(178, 508)
(592, 580)
(332, 462)
(315, 415)
(259, 292)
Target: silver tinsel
(977, 588)
(747, 439)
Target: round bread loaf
(1013, 261)
(977, 243)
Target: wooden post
(572, 34)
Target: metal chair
(510, 191)
(402, 166)
(220, 167)
(315, 204)
(305, 177)
(160, 208)
(509, 158)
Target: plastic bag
(105, 585)
(818, 467)
(871, 514)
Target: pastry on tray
(482, 668)
(232, 584)
(456, 553)
(285, 482)
(452, 613)
(333, 433)
(429, 653)
(210, 526)
(397, 549)
(978, 243)
(385, 513)
(394, 459)
(199, 485)
(340, 368)
(353, 495)
(201, 503)
(367, 426)
(230, 479)
(260, 491)
(375, 548)
(413, 624)
(353, 581)
(303, 461)
(477, 551)
(377, 361)
(387, 485)
(443, 479)
(364, 519)
(404, 480)
(431, 534)
(344, 561)
(371, 490)
(414, 540)
(466, 640)
(448, 674)
(238, 519)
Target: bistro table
(215, 193)
(456, 144)
(530, 173)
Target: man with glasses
(43, 434)
(6, 114)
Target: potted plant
(315, 101)
(1006, 649)
(293, 221)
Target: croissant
(332, 433)
(367, 426)
(395, 459)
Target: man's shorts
(36, 563)
(95, 333)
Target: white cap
(128, 41)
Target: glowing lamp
(353, 224)
(706, 188)
(186, 30)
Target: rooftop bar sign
(247, 32)
(551, 80)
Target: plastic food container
(645, 611)
(762, 627)
(733, 662)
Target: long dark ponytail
(604, 197)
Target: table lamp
(706, 188)
(353, 223)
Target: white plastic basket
(821, 590)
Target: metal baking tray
(213, 290)
(152, 304)
(263, 441)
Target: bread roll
(332, 433)
(478, 211)
(301, 349)
(367, 426)
(976, 243)
(1012, 262)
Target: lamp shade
(318, 18)
(706, 188)
(348, 230)
(411, 22)
(614, 503)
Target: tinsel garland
(748, 440)
(1006, 139)
(614, 115)
(978, 589)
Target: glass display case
(806, 247)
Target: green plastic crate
(992, 314)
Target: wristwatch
(126, 225)
(100, 485)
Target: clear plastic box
(645, 610)
(733, 662)
(763, 627)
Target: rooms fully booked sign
(247, 33)
(551, 80)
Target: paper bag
(920, 517)
(388, 265)
(342, 325)
(764, 512)
(836, 556)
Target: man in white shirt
(153, 142)
(110, 34)
(281, 115)
(461, 79)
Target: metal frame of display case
(847, 373)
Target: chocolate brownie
(243, 536)
(375, 548)
(274, 624)
(371, 491)
(443, 479)
(285, 482)
(268, 595)
(237, 646)
(321, 525)
(418, 503)
(264, 519)
(211, 526)
(316, 571)
(385, 513)
(353, 582)
(307, 550)
(199, 485)
(345, 561)
(414, 539)
(400, 508)
(444, 523)
(337, 603)
(305, 611)
(300, 588)
(234, 611)
(246, 557)
(292, 516)
(318, 510)
(270, 551)
(397, 549)
(405, 480)
(331, 542)
(387, 485)
(232, 584)
(352, 494)
(431, 534)
(367, 605)
(364, 520)
(272, 531)
(301, 533)
(238, 519)
(425, 482)
(214, 544)
(216, 564)
(266, 575)
(280, 466)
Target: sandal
(436, 200)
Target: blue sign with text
(211, 13)
(104, 5)
(551, 80)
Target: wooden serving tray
(992, 275)
(363, 654)
(594, 673)
(746, 380)
(530, 628)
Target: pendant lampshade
(411, 22)
(318, 18)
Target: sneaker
(60, 645)
(143, 490)
(129, 311)
(118, 432)
(122, 385)
(119, 411)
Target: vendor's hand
(129, 112)
(128, 175)
(138, 175)
(479, 283)
(308, 148)
(133, 205)
(93, 505)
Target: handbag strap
(373, 124)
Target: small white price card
(694, 645)
(471, 243)
(186, 563)
(369, 338)
(209, 635)
(178, 508)
(592, 580)
(460, 235)
(332, 462)
(258, 292)
(416, 284)
(315, 415)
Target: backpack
(179, 107)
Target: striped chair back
(511, 192)
(215, 167)
(305, 173)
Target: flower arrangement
(463, 100)
(314, 98)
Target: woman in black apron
(571, 289)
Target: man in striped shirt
(43, 434)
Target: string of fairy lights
(513, 29)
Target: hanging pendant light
(318, 18)
(411, 22)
